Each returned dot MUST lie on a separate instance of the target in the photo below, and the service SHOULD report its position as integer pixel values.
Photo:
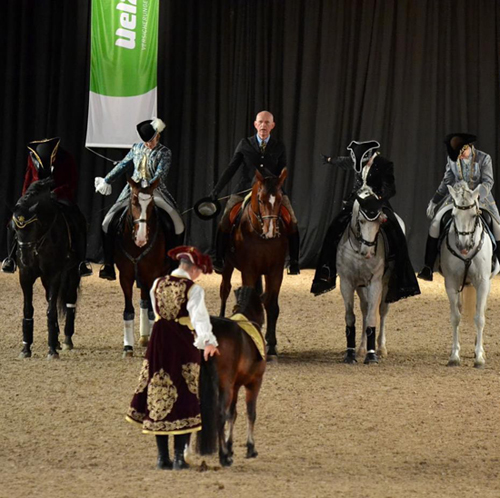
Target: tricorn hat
(455, 142)
(207, 208)
(193, 255)
(149, 128)
(362, 151)
(45, 151)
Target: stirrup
(9, 265)
(85, 269)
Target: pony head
(367, 218)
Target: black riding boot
(108, 269)
(9, 263)
(180, 443)
(222, 240)
(164, 462)
(431, 252)
(293, 252)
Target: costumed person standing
(263, 153)
(465, 163)
(166, 401)
(377, 173)
(48, 159)
(146, 161)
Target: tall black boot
(293, 251)
(9, 263)
(222, 240)
(164, 462)
(180, 443)
(108, 270)
(431, 252)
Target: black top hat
(45, 151)
(149, 128)
(207, 208)
(455, 142)
(362, 151)
(370, 206)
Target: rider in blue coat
(474, 166)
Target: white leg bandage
(128, 333)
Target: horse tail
(469, 303)
(210, 407)
(68, 291)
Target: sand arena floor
(409, 426)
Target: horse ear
(259, 177)
(33, 208)
(476, 192)
(132, 183)
(283, 176)
(451, 190)
(155, 184)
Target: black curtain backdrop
(403, 72)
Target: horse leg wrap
(350, 333)
(370, 339)
(69, 326)
(28, 331)
(144, 322)
(128, 333)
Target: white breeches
(436, 223)
(160, 203)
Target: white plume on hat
(158, 125)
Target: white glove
(430, 209)
(101, 186)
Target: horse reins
(358, 236)
(467, 261)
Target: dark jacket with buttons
(248, 157)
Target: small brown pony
(140, 255)
(241, 363)
(260, 244)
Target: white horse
(466, 256)
(361, 268)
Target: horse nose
(140, 242)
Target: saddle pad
(252, 331)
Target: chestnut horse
(260, 244)
(241, 362)
(141, 257)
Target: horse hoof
(53, 356)
(67, 344)
(453, 363)
(272, 358)
(128, 352)
(350, 358)
(226, 461)
(24, 354)
(382, 353)
(251, 453)
(479, 365)
(371, 359)
(143, 341)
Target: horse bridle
(467, 261)
(261, 218)
(21, 224)
(358, 236)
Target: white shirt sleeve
(200, 318)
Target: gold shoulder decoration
(143, 377)
(191, 374)
(170, 295)
(162, 394)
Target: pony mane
(36, 192)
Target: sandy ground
(410, 426)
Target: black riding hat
(207, 208)
(45, 151)
(149, 128)
(362, 151)
(455, 142)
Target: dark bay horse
(44, 250)
(141, 257)
(241, 362)
(260, 244)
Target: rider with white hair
(146, 162)
(374, 174)
(465, 163)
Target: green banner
(124, 47)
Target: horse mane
(248, 302)
(36, 192)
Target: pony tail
(206, 443)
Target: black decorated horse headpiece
(370, 206)
(361, 152)
(44, 152)
(148, 129)
(455, 142)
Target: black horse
(43, 228)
